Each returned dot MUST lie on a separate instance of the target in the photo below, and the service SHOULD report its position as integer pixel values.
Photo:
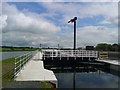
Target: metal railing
(69, 53)
(103, 55)
(20, 61)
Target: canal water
(6, 55)
(85, 77)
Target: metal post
(60, 55)
(58, 46)
(74, 35)
(20, 63)
(44, 56)
(25, 58)
(52, 54)
(14, 67)
(74, 20)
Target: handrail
(70, 53)
(20, 61)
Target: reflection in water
(85, 77)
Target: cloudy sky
(32, 23)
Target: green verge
(7, 70)
(18, 49)
(45, 84)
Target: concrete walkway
(114, 62)
(34, 71)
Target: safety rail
(20, 61)
(103, 55)
(70, 53)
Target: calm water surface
(86, 79)
(6, 55)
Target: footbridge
(69, 55)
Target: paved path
(114, 62)
(34, 71)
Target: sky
(46, 23)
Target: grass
(45, 84)
(7, 70)
(18, 49)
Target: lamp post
(40, 45)
(74, 21)
(58, 46)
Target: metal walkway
(34, 71)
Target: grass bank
(18, 49)
(8, 70)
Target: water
(86, 78)
(6, 55)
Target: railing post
(20, 63)
(14, 67)
(89, 55)
(25, 58)
(60, 55)
(44, 56)
(38, 54)
(52, 54)
(75, 55)
(67, 57)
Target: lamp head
(73, 20)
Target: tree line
(108, 47)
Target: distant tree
(119, 47)
(115, 47)
(104, 47)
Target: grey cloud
(24, 29)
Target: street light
(40, 45)
(58, 46)
(74, 21)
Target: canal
(86, 76)
(6, 55)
